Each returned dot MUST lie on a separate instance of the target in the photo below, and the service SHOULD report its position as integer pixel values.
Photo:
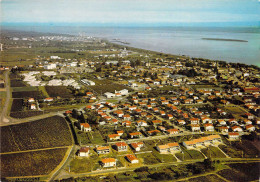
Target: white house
(233, 135)
(83, 152)
(50, 66)
(109, 95)
(132, 159)
(122, 92)
(85, 127)
(108, 162)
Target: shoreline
(221, 39)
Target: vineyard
(61, 91)
(27, 94)
(26, 114)
(31, 163)
(44, 133)
(17, 105)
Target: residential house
(85, 127)
(132, 159)
(113, 137)
(236, 129)
(137, 146)
(135, 135)
(121, 146)
(223, 129)
(172, 131)
(195, 128)
(250, 128)
(83, 152)
(233, 135)
(108, 162)
(103, 149)
(209, 127)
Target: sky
(118, 12)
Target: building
(85, 127)
(109, 95)
(108, 162)
(103, 149)
(83, 152)
(137, 146)
(132, 159)
(233, 135)
(121, 146)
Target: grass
(234, 110)
(31, 163)
(232, 152)
(189, 154)
(148, 158)
(21, 89)
(207, 178)
(165, 158)
(213, 152)
(43, 91)
(84, 164)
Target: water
(178, 40)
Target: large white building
(50, 66)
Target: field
(44, 133)
(148, 158)
(17, 105)
(249, 150)
(80, 165)
(27, 94)
(213, 152)
(31, 163)
(232, 152)
(61, 91)
(26, 114)
(103, 86)
(207, 178)
(251, 170)
(189, 155)
(22, 89)
(17, 83)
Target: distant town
(83, 108)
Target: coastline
(221, 39)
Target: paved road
(3, 117)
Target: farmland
(207, 178)
(44, 133)
(213, 152)
(103, 86)
(17, 83)
(61, 91)
(31, 163)
(17, 105)
(27, 94)
(26, 114)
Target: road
(123, 169)
(3, 118)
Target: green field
(148, 158)
(31, 163)
(45, 133)
(213, 152)
(206, 178)
(189, 154)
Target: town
(127, 108)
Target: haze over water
(176, 40)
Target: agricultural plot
(17, 105)
(27, 94)
(232, 175)
(207, 178)
(17, 83)
(232, 152)
(189, 155)
(148, 158)
(249, 150)
(45, 133)
(80, 165)
(108, 87)
(213, 152)
(61, 91)
(26, 114)
(31, 163)
(251, 170)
